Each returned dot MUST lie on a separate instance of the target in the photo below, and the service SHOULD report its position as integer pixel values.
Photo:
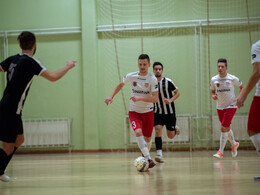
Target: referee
(164, 109)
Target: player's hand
(108, 100)
(167, 101)
(70, 64)
(136, 98)
(239, 101)
(215, 96)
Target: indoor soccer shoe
(234, 150)
(159, 159)
(4, 178)
(151, 163)
(218, 155)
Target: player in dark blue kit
(20, 70)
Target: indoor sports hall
(75, 144)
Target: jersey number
(11, 71)
(133, 125)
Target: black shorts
(11, 126)
(169, 120)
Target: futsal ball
(141, 164)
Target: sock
(3, 161)
(231, 138)
(158, 144)
(6, 160)
(223, 141)
(256, 141)
(10, 156)
(149, 145)
(143, 147)
(159, 152)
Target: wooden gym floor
(113, 173)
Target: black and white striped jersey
(166, 87)
(20, 70)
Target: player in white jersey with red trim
(253, 126)
(222, 90)
(144, 92)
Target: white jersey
(255, 52)
(141, 86)
(224, 88)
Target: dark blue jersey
(20, 70)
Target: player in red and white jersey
(144, 92)
(222, 90)
(141, 86)
(253, 127)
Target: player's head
(27, 41)
(222, 66)
(143, 63)
(143, 57)
(157, 69)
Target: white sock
(143, 147)
(223, 141)
(159, 152)
(149, 145)
(256, 141)
(231, 138)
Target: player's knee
(19, 141)
(225, 129)
(147, 139)
(158, 131)
(138, 132)
(171, 134)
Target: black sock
(158, 143)
(4, 159)
(11, 155)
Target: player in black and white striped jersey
(20, 70)
(164, 109)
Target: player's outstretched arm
(251, 84)
(109, 99)
(56, 75)
(1, 70)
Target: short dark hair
(27, 40)
(144, 56)
(157, 63)
(223, 60)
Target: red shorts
(225, 116)
(254, 115)
(142, 121)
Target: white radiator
(51, 132)
(183, 122)
(238, 126)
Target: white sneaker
(218, 155)
(4, 178)
(159, 159)
(234, 149)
